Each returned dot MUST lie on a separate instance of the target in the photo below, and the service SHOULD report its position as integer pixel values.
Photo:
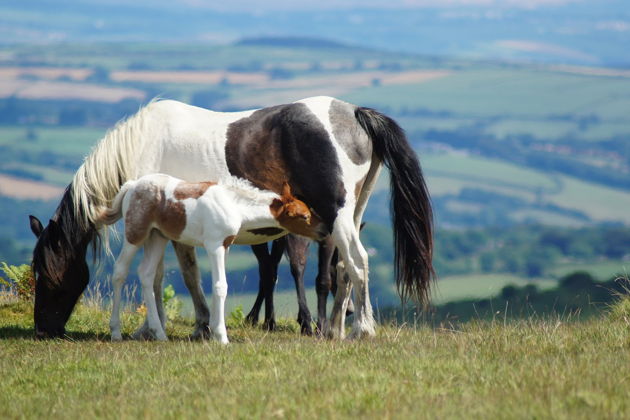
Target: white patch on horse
(351, 173)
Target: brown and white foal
(158, 208)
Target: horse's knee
(323, 284)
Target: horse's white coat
(212, 221)
(189, 143)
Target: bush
(20, 279)
(172, 304)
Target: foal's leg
(192, 278)
(143, 331)
(355, 258)
(216, 252)
(297, 247)
(323, 281)
(153, 254)
(121, 270)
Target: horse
(158, 208)
(330, 153)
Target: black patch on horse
(288, 143)
(270, 231)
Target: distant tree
(72, 116)
(31, 134)
(99, 75)
(279, 73)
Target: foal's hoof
(116, 337)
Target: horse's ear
(36, 225)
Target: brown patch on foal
(228, 241)
(171, 218)
(148, 206)
(185, 190)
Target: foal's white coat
(197, 214)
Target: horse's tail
(111, 163)
(411, 205)
(114, 213)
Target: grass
(543, 368)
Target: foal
(158, 208)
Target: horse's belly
(258, 236)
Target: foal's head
(295, 216)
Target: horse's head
(61, 275)
(295, 216)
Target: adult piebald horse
(330, 152)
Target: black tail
(411, 205)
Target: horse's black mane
(63, 240)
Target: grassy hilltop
(537, 368)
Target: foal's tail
(114, 213)
(411, 205)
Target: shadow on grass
(13, 332)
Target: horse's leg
(216, 253)
(187, 259)
(261, 252)
(153, 254)
(297, 247)
(323, 281)
(277, 250)
(346, 237)
(121, 270)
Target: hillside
(543, 368)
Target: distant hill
(290, 42)
(575, 32)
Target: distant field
(525, 98)
(451, 173)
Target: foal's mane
(246, 191)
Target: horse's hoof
(251, 319)
(306, 329)
(202, 332)
(350, 308)
(270, 325)
(358, 333)
(335, 334)
(116, 337)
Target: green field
(537, 368)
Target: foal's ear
(36, 225)
(286, 191)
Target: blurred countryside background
(519, 111)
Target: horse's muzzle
(44, 334)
